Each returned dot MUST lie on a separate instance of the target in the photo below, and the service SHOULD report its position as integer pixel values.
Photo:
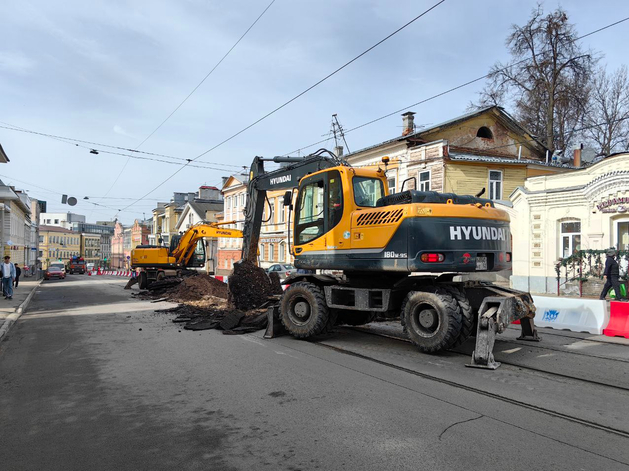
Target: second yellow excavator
(187, 250)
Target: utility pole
(338, 131)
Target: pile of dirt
(249, 286)
(207, 303)
(194, 288)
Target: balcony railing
(587, 265)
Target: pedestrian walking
(18, 272)
(8, 275)
(610, 275)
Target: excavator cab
(198, 257)
(326, 203)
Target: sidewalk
(9, 308)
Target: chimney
(338, 150)
(408, 123)
(577, 158)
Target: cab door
(319, 214)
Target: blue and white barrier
(574, 314)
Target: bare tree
(607, 123)
(546, 80)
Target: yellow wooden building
(482, 150)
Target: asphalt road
(92, 379)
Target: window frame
(420, 182)
(354, 191)
(491, 186)
(281, 254)
(570, 236)
(324, 220)
(392, 175)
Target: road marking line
(513, 350)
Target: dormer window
(485, 133)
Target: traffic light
(105, 258)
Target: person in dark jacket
(18, 272)
(610, 275)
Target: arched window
(484, 132)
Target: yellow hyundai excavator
(154, 262)
(399, 254)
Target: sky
(109, 72)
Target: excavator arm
(286, 177)
(185, 248)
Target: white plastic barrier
(574, 314)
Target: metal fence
(585, 265)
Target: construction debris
(207, 303)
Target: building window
(261, 252)
(495, 185)
(282, 252)
(271, 252)
(623, 235)
(282, 212)
(570, 237)
(242, 199)
(485, 133)
(392, 182)
(424, 180)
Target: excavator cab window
(310, 212)
(319, 206)
(367, 191)
(198, 257)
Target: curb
(10, 320)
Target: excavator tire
(349, 317)
(432, 319)
(303, 310)
(467, 314)
(143, 280)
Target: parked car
(284, 270)
(58, 265)
(54, 271)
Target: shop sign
(271, 241)
(614, 205)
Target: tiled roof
(44, 228)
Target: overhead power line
(190, 94)
(296, 96)
(99, 146)
(208, 74)
(450, 90)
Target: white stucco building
(555, 215)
